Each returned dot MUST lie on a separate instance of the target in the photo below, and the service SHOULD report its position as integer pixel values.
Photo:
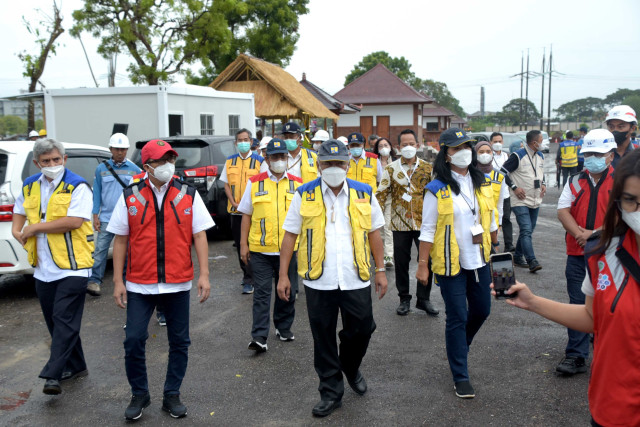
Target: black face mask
(620, 137)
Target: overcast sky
(466, 44)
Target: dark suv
(200, 162)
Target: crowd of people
(337, 216)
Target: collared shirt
(363, 157)
(617, 157)
(463, 220)
(395, 183)
(119, 225)
(339, 271)
(81, 202)
(499, 159)
(293, 164)
(107, 189)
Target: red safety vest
(614, 392)
(589, 205)
(157, 231)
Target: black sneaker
(403, 309)
(52, 387)
(520, 261)
(510, 249)
(572, 365)
(285, 335)
(425, 304)
(259, 345)
(534, 266)
(162, 321)
(136, 406)
(173, 406)
(464, 390)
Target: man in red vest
(155, 222)
(581, 209)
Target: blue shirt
(107, 189)
(580, 155)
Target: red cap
(155, 149)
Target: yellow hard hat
(43, 132)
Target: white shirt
(379, 168)
(339, 271)
(567, 198)
(463, 220)
(81, 206)
(119, 224)
(504, 194)
(499, 159)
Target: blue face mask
(244, 147)
(356, 151)
(595, 164)
(292, 144)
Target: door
(175, 124)
(382, 126)
(366, 126)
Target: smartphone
(502, 274)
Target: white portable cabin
(92, 115)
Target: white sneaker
(93, 289)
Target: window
(206, 124)
(175, 124)
(432, 127)
(234, 124)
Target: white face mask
(165, 172)
(408, 152)
(52, 172)
(497, 147)
(632, 219)
(485, 158)
(316, 145)
(384, 152)
(278, 166)
(334, 176)
(462, 158)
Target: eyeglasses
(161, 162)
(598, 155)
(628, 205)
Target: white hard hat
(321, 135)
(263, 142)
(598, 141)
(622, 112)
(344, 140)
(119, 140)
(33, 133)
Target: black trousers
(566, 172)
(357, 327)
(507, 227)
(62, 303)
(236, 226)
(402, 242)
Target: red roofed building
(389, 105)
(436, 119)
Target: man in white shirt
(57, 203)
(155, 217)
(338, 221)
(499, 157)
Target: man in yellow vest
(301, 161)
(238, 169)
(59, 242)
(363, 165)
(338, 222)
(264, 207)
(567, 157)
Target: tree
(162, 36)
(617, 97)
(589, 108)
(398, 66)
(12, 125)
(440, 92)
(480, 124)
(46, 41)
(510, 114)
(633, 101)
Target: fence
(555, 127)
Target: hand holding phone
(502, 274)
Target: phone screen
(502, 274)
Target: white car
(16, 164)
(544, 147)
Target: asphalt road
(512, 360)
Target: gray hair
(46, 146)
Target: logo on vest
(311, 197)
(444, 193)
(133, 211)
(187, 211)
(132, 199)
(603, 282)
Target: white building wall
(399, 115)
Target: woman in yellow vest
(458, 228)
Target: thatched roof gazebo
(278, 95)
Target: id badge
(406, 197)
(476, 233)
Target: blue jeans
(100, 254)
(578, 345)
(139, 310)
(526, 218)
(467, 304)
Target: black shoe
(259, 345)
(173, 406)
(358, 384)
(510, 249)
(68, 375)
(425, 304)
(136, 406)
(52, 387)
(520, 261)
(403, 309)
(534, 266)
(572, 365)
(162, 320)
(325, 407)
(285, 335)
(464, 390)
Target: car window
(83, 164)
(221, 150)
(190, 155)
(4, 158)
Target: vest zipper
(278, 211)
(592, 210)
(160, 256)
(144, 212)
(175, 211)
(617, 298)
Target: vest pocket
(363, 215)
(58, 206)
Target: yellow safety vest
(365, 171)
(270, 202)
(496, 185)
(308, 165)
(72, 250)
(311, 252)
(569, 154)
(239, 171)
(445, 253)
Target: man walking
(112, 176)
(622, 122)
(59, 244)
(567, 157)
(155, 223)
(364, 166)
(301, 162)
(524, 174)
(264, 207)
(404, 181)
(338, 222)
(499, 157)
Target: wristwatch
(381, 269)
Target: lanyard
(535, 172)
(472, 206)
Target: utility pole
(482, 112)
(549, 97)
(526, 104)
(544, 53)
(521, 86)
